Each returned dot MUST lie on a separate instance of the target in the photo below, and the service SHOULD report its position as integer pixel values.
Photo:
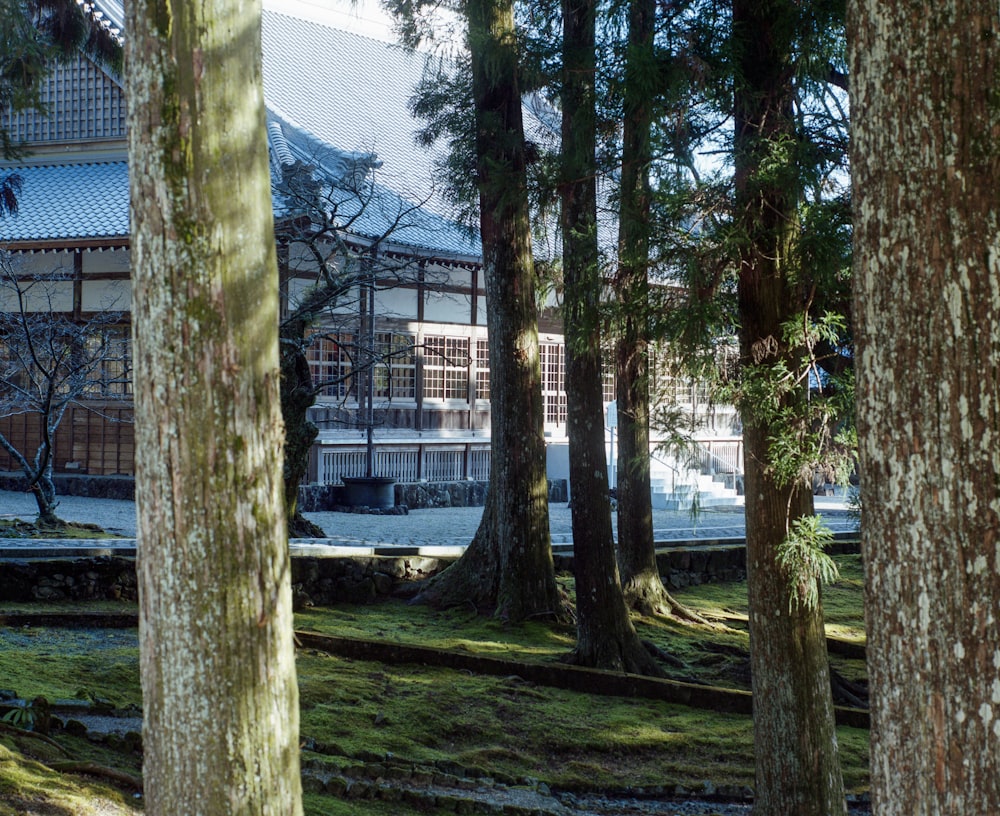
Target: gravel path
(438, 526)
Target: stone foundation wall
(690, 566)
(321, 581)
(418, 495)
(81, 579)
(328, 581)
(67, 484)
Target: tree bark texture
(641, 582)
(795, 742)
(605, 635)
(220, 702)
(508, 568)
(926, 172)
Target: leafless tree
(51, 360)
(335, 221)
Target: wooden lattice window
(331, 364)
(446, 368)
(553, 383)
(482, 369)
(395, 367)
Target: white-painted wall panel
(398, 302)
(445, 307)
(109, 261)
(40, 296)
(106, 296)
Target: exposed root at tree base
(100, 771)
(301, 527)
(646, 595)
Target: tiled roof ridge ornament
(352, 167)
(289, 143)
(102, 16)
(280, 151)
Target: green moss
(17, 528)
(449, 629)
(854, 748)
(353, 709)
(27, 785)
(59, 663)
(504, 724)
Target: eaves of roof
(332, 91)
(353, 194)
(335, 91)
(69, 202)
(110, 13)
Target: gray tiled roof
(112, 11)
(370, 208)
(60, 201)
(351, 92)
(333, 93)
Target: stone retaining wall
(322, 581)
(80, 579)
(418, 495)
(72, 484)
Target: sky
(360, 16)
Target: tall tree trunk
(926, 164)
(795, 742)
(605, 635)
(636, 557)
(640, 576)
(220, 702)
(508, 568)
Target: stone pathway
(446, 530)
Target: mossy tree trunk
(635, 512)
(795, 742)
(508, 568)
(926, 170)
(220, 703)
(641, 581)
(605, 636)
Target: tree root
(301, 527)
(72, 765)
(93, 769)
(665, 657)
(646, 595)
(846, 692)
(20, 732)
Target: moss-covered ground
(17, 528)
(355, 711)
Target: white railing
(424, 462)
(479, 464)
(444, 465)
(336, 462)
(399, 463)
(721, 455)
